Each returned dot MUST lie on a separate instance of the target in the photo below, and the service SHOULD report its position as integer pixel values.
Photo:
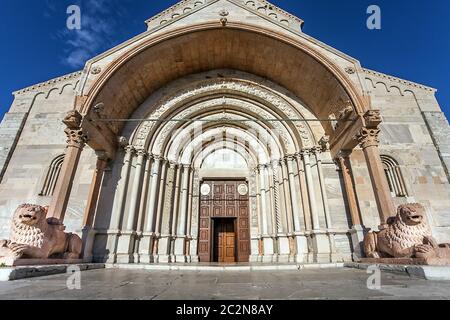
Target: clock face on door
(243, 189)
(205, 189)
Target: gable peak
(262, 7)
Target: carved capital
(129, 149)
(75, 138)
(368, 137)
(141, 153)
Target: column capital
(172, 164)
(368, 137)
(75, 135)
(141, 153)
(129, 149)
(290, 157)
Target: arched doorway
(279, 129)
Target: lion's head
(30, 215)
(410, 226)
(412, 214)
(29, 224)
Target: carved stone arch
(208, 149)
(196, 143)
(222, 87)
(217, 119)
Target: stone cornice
(34, 87)
(398, 80)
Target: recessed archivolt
(208, 149)
(262, 152)
(256, 101)
(274, 139)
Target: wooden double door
(224, 235)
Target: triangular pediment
(187, 8)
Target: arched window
(52, 176)
(394, 177)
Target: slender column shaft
(323, 189)
(289, 210)
(76, 140)
(135, 191)
(176, 197)
(294, 199)
(311, 190)
(368, 138)
(160, 201)
(276, 197)
(264, 193)
(123, 187)
(184, 201)
(144, 194)
(152, 195)
(91, 206)
(345, 164)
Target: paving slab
(338, 283)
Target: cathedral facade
(225, 134)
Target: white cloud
(96, 34)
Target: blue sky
(414, 42)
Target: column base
(357, 236)
(88, 237)
(301, 242)
(125, 247)
(321, 247)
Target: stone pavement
(304, 284)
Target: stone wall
(32, 135)
(415, 134)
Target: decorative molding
(69, 76)
(398, 80)
(222, 86)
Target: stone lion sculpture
(33, 236)
(408, 235)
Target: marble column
(126, 239)
(147, 240)
(76, 140)
(119, 204)
(268, 243)
(180, 241)
(143, 208)
(301, 242)
(357, 230)
(368, 138)
(163, 240)
(311, 190)
(91, 206)
(319, 240)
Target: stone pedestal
(283, 249)
(357, 235)
(302, 248)
(180, 254)
(88, 237)
(163, 255)
(112, 243)
(269, 250)
(125, 247)
(146, 247)
(321, 247)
